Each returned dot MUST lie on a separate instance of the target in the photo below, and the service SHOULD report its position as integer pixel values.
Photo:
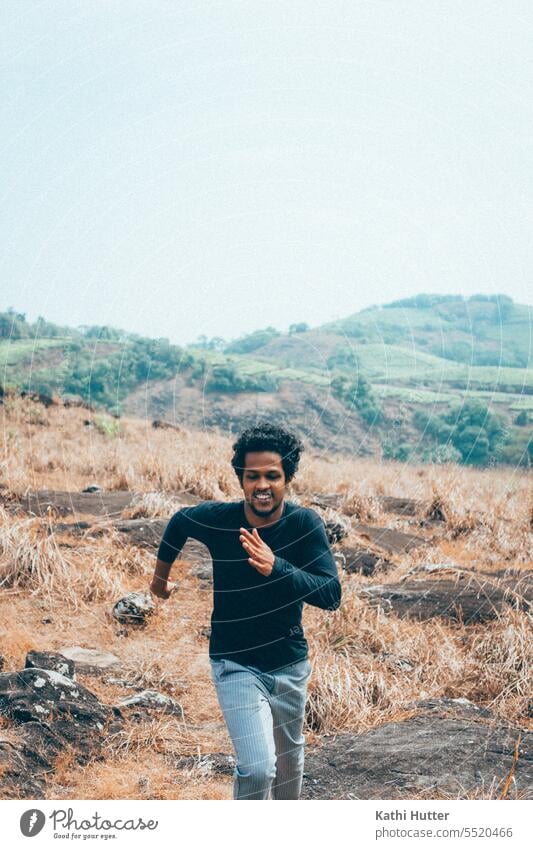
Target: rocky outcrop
(363, 561)
(468, 599)
(90, 661)
(51, 712)
(453, 748)
(51, 660)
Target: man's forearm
(322, 590)
(161, 573)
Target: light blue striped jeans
(264, 713)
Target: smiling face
(264, 484)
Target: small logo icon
(32, 822)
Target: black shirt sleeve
(316, 581)
(188, 522)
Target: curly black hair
(265, 436)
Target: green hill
(418, 376)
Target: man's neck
(262, 521)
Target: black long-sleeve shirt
(256, 619)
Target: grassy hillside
(480, 330)
(61, 575)
(358, 385)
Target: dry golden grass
(368, 667)
(125, 777)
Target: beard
(263, 513)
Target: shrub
(107, 426)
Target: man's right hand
(160, 585)
(160, 588)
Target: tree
(470, 427)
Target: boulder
(151, 700)
(52, 712)
(50, 660)
(461, 600)
(134, 608)
(43, 695)
(145, 533)
(401, 506)
(90, 661)
(39, 503)
(22, 772)
(364, 561)
(448, 750)
(389, 539)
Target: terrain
(427, 379)
(421, 682)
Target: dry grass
(124, 777)
(30, 557)
(368, 667)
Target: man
(269, 557)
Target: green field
(13, 352)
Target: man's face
(263, 481)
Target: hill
(430, 378)
(421, 681)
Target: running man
(269, 557)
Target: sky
(186, 168)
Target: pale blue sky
(178, 168)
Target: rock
(436, 511)
(90, 661)
(202, 571)
(340, 560)
(75, 401)
(215, 762)
(52, 712)
(40, 738)
(389, 539)
(146, 533)
(401, 506)
(517, 582)
(435, 567)
(364, 561)
(69, 527)
(152, 700)
(43, 695)
(459, 708)
(134, 608)
(38, 503)
(21, 772)
(159, 423)
(458, 601)
(50, 660)
(429, 755)
(326, 500)
(337, 526)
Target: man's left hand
(261, 557)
